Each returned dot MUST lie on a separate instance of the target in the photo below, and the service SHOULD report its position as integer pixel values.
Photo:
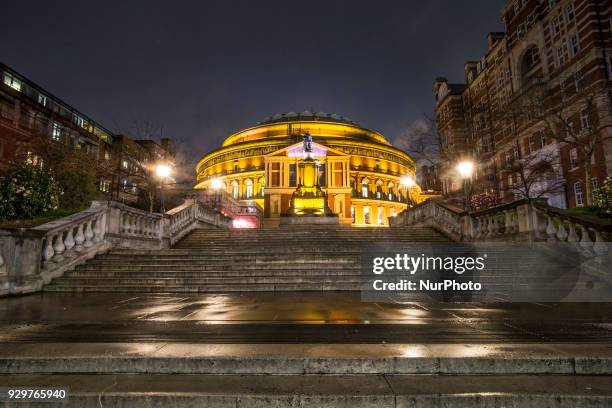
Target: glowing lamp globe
(217, 184)
(465, 169)
(163, 170)
(407, 181)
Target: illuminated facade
(358, 169)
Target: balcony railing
(377, 196)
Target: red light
(243, 222)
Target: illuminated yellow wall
(240, 162)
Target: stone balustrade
(31, 258)
(520, 221)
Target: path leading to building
(313, 349)
(247, 319)
(305, 317)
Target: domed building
(363, 176)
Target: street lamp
(408, 182)
(163, 171)
(216, 185)
(465, 169)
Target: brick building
(541, 91)
(30, 114)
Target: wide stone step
(324, 359)
(196, 274)
(216, 288)
(203, 281)
(395, 391)
(256, 262)
(259, 258)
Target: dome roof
(307, 116)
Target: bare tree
(535, 175)
(421, 141)
(572, 115)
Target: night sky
(204, 69)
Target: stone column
(20, 261)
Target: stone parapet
(31, 258)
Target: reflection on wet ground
(319, 317)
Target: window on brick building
(578, 197)
(578, 80)
(531, 58)
(594, 183)
(531, 143)
(570, 14)
(584, 119)
(556, 24)
(542, 139)
(573, 158)
(574, 45)
(562, 53)
(515, 152)
(42, 99)
(11, 81)
(56, 132)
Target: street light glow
(407, 181)
(163, 170)
(217, 184)
(465, 169)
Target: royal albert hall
(362, 174)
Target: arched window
(578, 194)
(249, 188)
(390, 191)
(366, 215)
(531, 58)
(379, 189)
(235, 191)
(364, 188)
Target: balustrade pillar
(79, 238)
(561, 232)
(88, 235)
(69, 242)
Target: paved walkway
(306, 318)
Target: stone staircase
(217, 260)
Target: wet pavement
(314, 318)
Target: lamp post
(217, 185)
(163, 171)
(408, 182)
(466, 169)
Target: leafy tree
(27, 191)
(76, 172)
(603, 196)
